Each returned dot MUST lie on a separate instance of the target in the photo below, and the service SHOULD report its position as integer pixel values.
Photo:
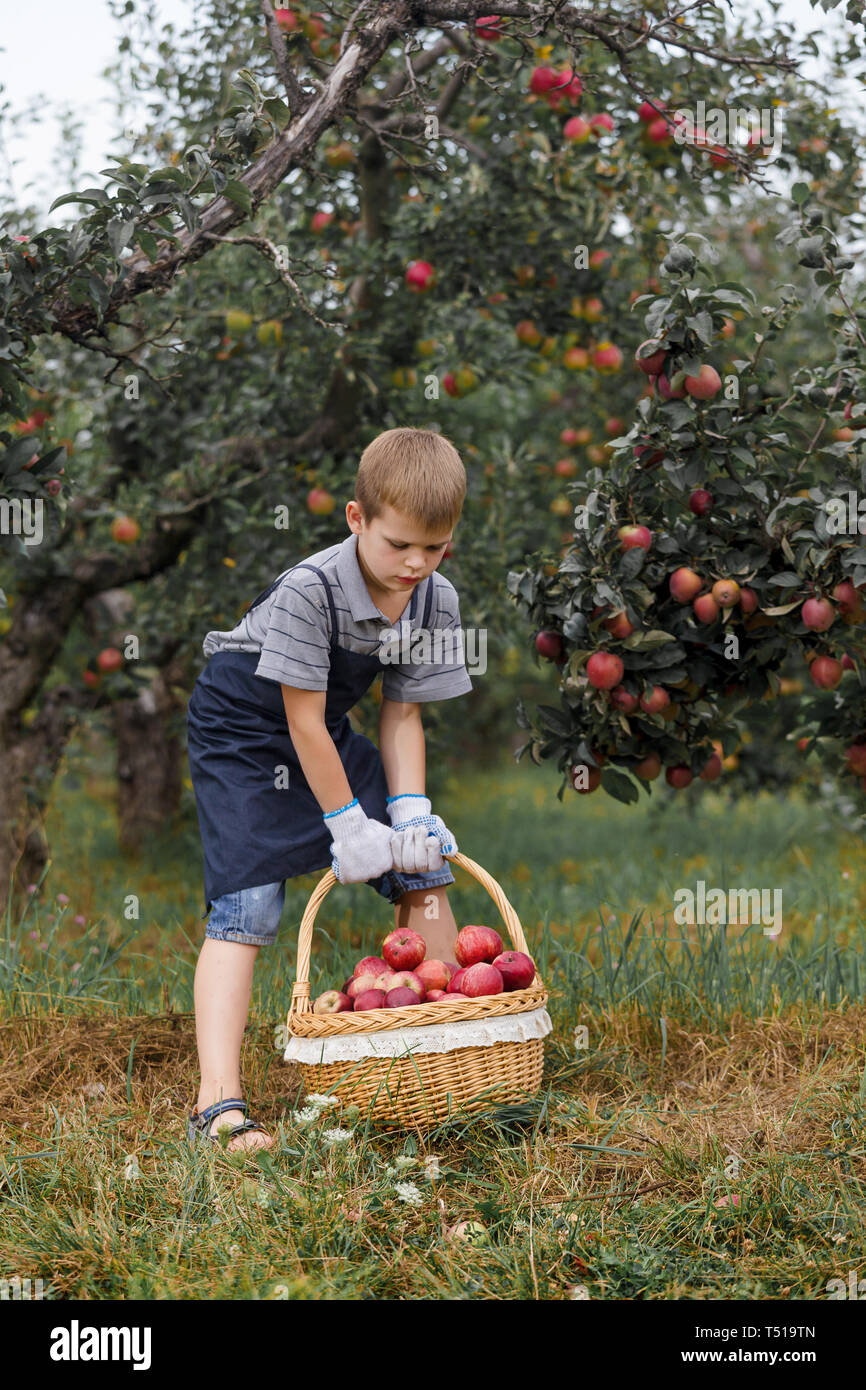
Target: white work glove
(418, 837)
(361, 847)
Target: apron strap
(305, 565)
(429, 603)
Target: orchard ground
(707, 1142)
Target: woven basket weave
(422, 1088)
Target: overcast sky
(54, 56)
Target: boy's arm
(316, 750)
(401, 746)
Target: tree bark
(149, 761)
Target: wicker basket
(421, 1088)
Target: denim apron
(252, 831)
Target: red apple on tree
(818, 614)
(585, 779)
(678, 777)
(748, 599)
(604, 670)
(654, 363)
(632, 537)
(606, 358)
(826, 672)
(666, 391)
(712, 769)
(657, 700)
(320, 502)
(548, 644)
(420, 276)
(577, 130)
(110, 659)
(618, 625)
(685, 584)
(125, 529)
(542, 80)
(848, 598)
(623, 700)
(649, 767)
(855, 758)
(705, 385)
(726, 592)
(648, 111)
(705, 608)
(701, 502)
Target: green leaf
(278, 112)
(800, 193)
(617, 785)
(239, 193)
(93, 196)
(148, 243)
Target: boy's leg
(238, 925)
(223, 983)
(428, 912)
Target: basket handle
(301, 988)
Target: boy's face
(392, 549)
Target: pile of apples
(402, 975)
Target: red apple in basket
(476, 944)
(456, 981)
(333, 1001)
(404, 949)
(435, 994)
(370, 965)
(345, 988)
(434, 973)
(481, 979)
(400, 997)
(370, 999)
(359, 983)
(516, 968)
(453, 967)
(407, 979)
(456, 995)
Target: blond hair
(417, 472)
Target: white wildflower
(322, 1102)
(304, 1117)
(408, 1192)
(431, 1167)
(404, 1161)
(131, 1169)
(336, 1136)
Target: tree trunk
(30, 758)
(149, 762)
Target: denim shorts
(251, 916)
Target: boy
(283, 784)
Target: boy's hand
(419, 837)
(361, 847)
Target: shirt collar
(354, 586)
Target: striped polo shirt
(290, 630)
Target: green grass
(719, 1064)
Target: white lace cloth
(437, 1037)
